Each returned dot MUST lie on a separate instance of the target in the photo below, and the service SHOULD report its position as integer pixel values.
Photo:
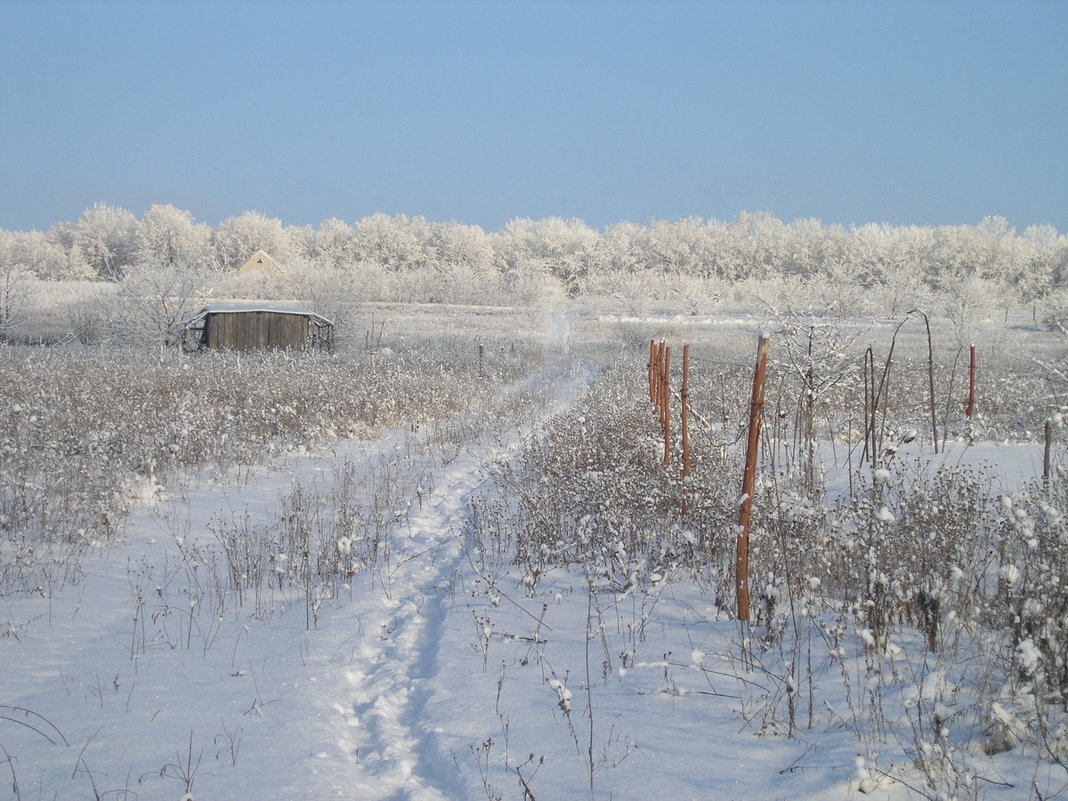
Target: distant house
(248, 328)
(260, 264)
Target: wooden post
(1046, 450)
(665, 395)
(660, 378)
(749, 479)
(971, 381)
(652, 364)
(684, 399)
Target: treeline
(106, 242)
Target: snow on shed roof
(235, 309)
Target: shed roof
(237, 309)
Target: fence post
(665, 395)
(749, 479)
(660, 377)
(684, 399)
(652, 364)
(1046, 449)
(971, 383)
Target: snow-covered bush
(76, 425)
(1030, 605)
(591, 490)
(1056, 316)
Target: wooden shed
(246, 328)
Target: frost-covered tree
(455, 245)
(516, 247)
(154, 299)
(998, 257)
(976, 269)
(1044, 257)
(564, 249)
(887, 267)
(15, 286)
(987, 250)
(333, 244)
(335, 293)
(822, 255)
(395, 242)
(569, 249)
(681, 247)
(40, 254)
(815, 249)
(624, 247)
(169, 237)
(237, 238)
(301, 242)
(892, 262)
(954, 253)
(757, 245)
(967, 298)
(106, 237)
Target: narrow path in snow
(391, 755)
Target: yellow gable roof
(260, 263)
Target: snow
(1029, 656)
(437, 673)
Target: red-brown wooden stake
(1046, 450)
(664, 380)
(666, 396)
(684, 399)
(971, 383)
(652, 364)
(749, 479)
(660, 379)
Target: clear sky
(927, 113)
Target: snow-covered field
(494, 603)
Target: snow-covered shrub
(1056, 316)
(1031, 603)
(909, 545)
(591, 490)
(77, 424)
(327, 531)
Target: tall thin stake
(684, 399)
(665, 395)
(1046, 450)
(652, 365)
(930, 381)
(970, 408)
(869, 406)
(660, 378)
(749, 479)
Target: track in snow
(381, 712)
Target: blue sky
(924, 113)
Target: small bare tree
(16, 287)
(968, 297)
(154, 300)
(820, 354)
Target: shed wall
(255, 330)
